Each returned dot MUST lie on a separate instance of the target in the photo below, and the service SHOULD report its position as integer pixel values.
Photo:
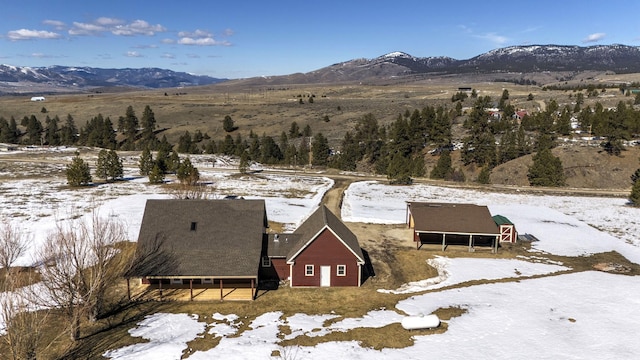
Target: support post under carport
(444, 243)
(470, 243)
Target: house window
(176, 281)
(341, 270)
(308, 270)
(207, 281)
(266, 261)
(194, 226)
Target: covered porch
(445, 239)
(191, 289)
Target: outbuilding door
(325, 275)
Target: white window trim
(344, 270)
(266, 261)
(306, 270)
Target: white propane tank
(420, 322)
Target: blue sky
(235, 39)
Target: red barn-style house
(321, 252)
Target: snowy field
(583, 315)
(544, 312)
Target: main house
(221, 248)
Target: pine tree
(109, 165)
(546, 170)
(156, 176)
(485, 175)
(443, 168)
(187, 173)
(320, 150)
(227, 124)
(634, 197)
(78, 173)
(243, 166)
(146, 162)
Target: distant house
(452, 224)
(37, 98)
(212, 246)
(520, 114)
(321, 252)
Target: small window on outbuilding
(308, 270)
(341, 270)
(194, 226)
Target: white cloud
(195, 34)
(208, 41)
(138, 27)
(116, 27)
(26, 34)
(133, 54)
(168, 56)
(595, 37)
(86, 29)
(168, 41)
(494, 38)
(56, 24)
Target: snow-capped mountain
(82, 77)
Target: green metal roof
(502, 220)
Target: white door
(325, 275)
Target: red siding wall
(325, 250)
(281, 267)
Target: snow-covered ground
(544, 312)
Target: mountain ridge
(616, 58)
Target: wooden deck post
(470, 243)
(160, 288)
(191, 289)
(221, 293)
(253, 293)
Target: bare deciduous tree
(13, 244)
(79, 264)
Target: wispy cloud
(146, 46)
(201, 38)
(26, 34)
(133, 54)
(493, 37)
(595, 37)
(116, 27)
(168, 56)
(56, 24)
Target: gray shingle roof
(315, 223)
(452, 218)
(203, 238)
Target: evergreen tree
(485, 175)
(52, 136)
(109, 165)
(443, 168)
(546, 170)
(156, 176)
(303, 152)
(399, 170)
(78, 173)
(294, 130)
(68, 131)
(148, 124)
(349, 153)
(187, 173)
(173, 162)
(227, 124)
(320, 150)
(34, 130)
(243, 166)
(634, 197)
(146, 162)
(129, 128)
